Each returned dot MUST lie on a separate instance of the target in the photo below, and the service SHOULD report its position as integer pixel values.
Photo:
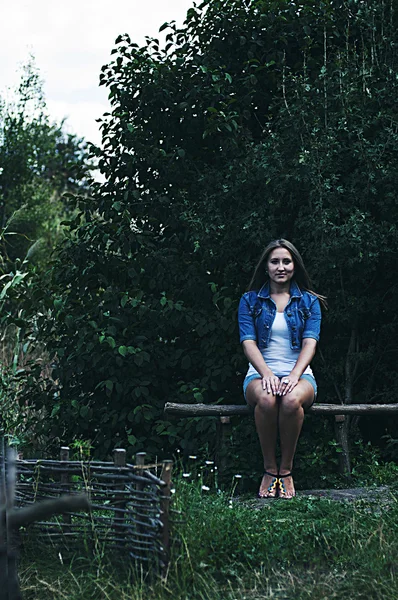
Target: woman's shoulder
(309, 295)
(251, 302)
(249, 298)
(251, 294)
(310, 301)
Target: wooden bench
(225, 411)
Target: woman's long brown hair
(300, 272)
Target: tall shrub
(256, 120)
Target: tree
(39, 162)
(257, 120)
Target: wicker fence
(129, 504)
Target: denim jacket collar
(295, 291)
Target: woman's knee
(299, 398)
(265, 401)
(292, 402)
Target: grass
(306, 548)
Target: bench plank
(222, 410)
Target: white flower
(205, 488)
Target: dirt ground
(351, 494)
(381, 496)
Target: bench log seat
(227, 410)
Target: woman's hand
(287, 384)
(271, 384)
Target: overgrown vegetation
(258, 119)
(39, 162)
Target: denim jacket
(257, 313)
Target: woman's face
(280, 266)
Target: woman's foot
(286, 486)
(269, 485)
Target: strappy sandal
(282, 489)
(272, 489)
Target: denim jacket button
(289, 314)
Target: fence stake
(119, 460)
(64, 457)
(224, 430)
(139, 486)
(167, 467)
(140, 462)
(119, 457)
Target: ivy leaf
(111, 341)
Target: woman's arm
(305, 357)
(269, 381)
(312, 326)
(248, 338)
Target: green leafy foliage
(256, 120)
(38, 163)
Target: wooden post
(167, 467)
(9, 582)
(64, 457)
(140, 462)
(139, 486)
(119, 457)
(119, 460)
(341, 431)
(223, 438)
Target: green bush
(257, 120)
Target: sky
(71, 40)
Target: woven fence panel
(127, 506)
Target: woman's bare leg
(291, 417)
(266, 420)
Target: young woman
(279, 323)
